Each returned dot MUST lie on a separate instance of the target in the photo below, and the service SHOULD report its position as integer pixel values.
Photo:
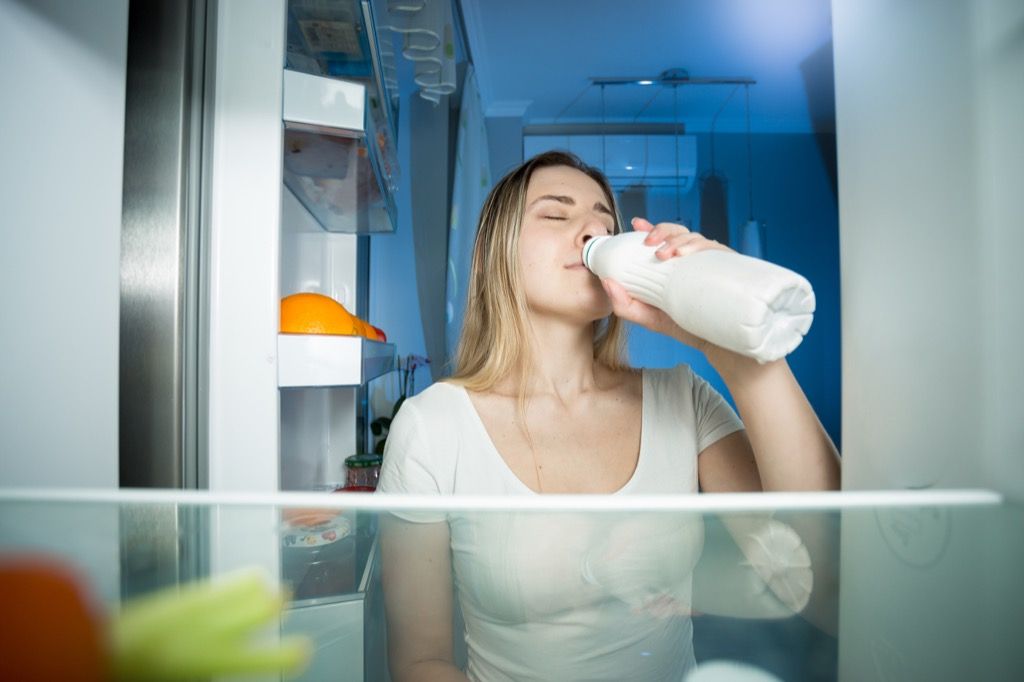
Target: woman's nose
(591, 228)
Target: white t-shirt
(558, 596)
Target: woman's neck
(562, 359)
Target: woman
(541, 401)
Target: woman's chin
(597, 311)
(584, 307)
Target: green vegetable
(205, 629)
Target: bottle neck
(588, 250)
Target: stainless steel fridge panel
(160, 245)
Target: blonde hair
(495, 339)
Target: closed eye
(554, 217)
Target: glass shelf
(854, 585)
(344, 172)
(340, 38)
(311, 360)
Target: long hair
(495, 341)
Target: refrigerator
(260, 161)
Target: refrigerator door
(160, 302)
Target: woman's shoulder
(423, 442)
(439, 391)
(673, 387)
(680, 374)
(440, 399)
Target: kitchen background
(789, 183)
(911, 362)
(886, 159)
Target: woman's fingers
(679, 245)
(657, 233)
(630, 309)
(687, 244)
(674, 240)
(641, 224)
(622, 302)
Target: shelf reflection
(861, 592)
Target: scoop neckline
(506, 470)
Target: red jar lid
(356, 489)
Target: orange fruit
(361, 327)
(310, 313)
(52, 630)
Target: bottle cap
(588, 248)
(362, 461)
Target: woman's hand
(676, 241)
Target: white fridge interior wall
(931, 162)
(314, 260)
(318, 425)
(61, 175)
(244, 247)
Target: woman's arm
(791, 449)
(416, 574)
(730, 465)
(783, 446)
(790, 446)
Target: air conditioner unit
(646, 160)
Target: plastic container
(362, 471)
(320, 561)
(749, 306)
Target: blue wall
(394, 303)
(793, 198)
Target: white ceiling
(534, 57)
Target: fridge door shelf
(321, 360)
(360, 566)
(339, 154)
(349, 39)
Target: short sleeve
(715, 417)
(409, 465)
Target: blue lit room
(481, 340)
